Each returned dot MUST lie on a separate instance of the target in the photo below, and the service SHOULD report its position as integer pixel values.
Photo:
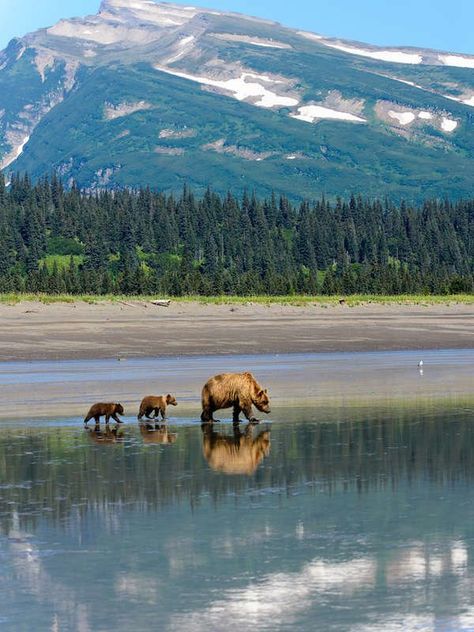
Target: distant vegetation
(141, 242)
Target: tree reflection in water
(348, 523)
(66, 468)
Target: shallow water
(328, 518)
(32, 390)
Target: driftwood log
(161, 302)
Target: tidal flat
(349, 507)
(64, 390)
(75, 330)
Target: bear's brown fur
(157, 434)
(240, 454)
(156, 404)
(239, 390)
(107, 409)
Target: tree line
(140, 241)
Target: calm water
(332, 519)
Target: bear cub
(156, 404)
(107, 409)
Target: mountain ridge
(317, 93)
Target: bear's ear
(260, 393)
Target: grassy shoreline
(295, 300)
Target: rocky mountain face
(161, 94)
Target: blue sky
(427, 23)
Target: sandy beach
(36, 331)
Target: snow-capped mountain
(162, 94)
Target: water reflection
(277, 599)
(106, 436)
(354, 525)
(157, 433)
(240, 453)
(54, 468)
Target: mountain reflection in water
(361, 523)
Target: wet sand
(341, 381)
(33, 331)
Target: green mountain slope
(161, 95)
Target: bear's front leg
(114, 416)
(247, 410)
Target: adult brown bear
(107, 409)
(237, 454)
(156, 404)
(239, 390)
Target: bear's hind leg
(206, 415)
(236, 413)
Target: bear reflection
(156, 433)
(240, 453)
(106, 436)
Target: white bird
(420, 363)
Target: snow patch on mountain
(465, 99)
(18, 142)
(394, 56)
(312, 113)
(404, 118)
(426, 116)
(184, 46)
(240, 89)
(448, 125)
(459, 61)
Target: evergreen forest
(56, 240)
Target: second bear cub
(156, 404)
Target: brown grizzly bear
(239, 390)
(156, 404)
(157, 434)
(109, 409)
(240, 454)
